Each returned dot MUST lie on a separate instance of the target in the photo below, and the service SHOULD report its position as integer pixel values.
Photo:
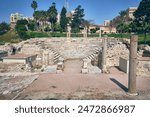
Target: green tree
(58, 28)
(122, 28)
(52, 15)
(77, 18)
(132, 27)
(34, 5)
(142, 18)
(41, 18)
(121, 18)
(93, 30)
(4, 27)
(63, 19)
(31, 25)
(21, 28)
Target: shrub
(23, 35)
(2, 43)
(47, 29)
(38, 34)
(58, 34)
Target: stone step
(55, 52)
(55, 60)
(92, 56)
(57, 56)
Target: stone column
(45, 58)
(68, 32)
(104, 50)
(100, 33)
(85, 32)
(132, 65)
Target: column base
(132, 94)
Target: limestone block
(85, 65)
(51, 69)
(84, 71)
(61, 59)
(60, 66)
(94, 70)
(59, 71)
(6, 92)
(124, 65)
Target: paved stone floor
(73, 67)
(73, 85)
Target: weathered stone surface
(60, 66)
(51, 69)
(94, 70)
(59, 71)
(114, 52)
(143, 68)
(15, 83)
(144, 47)
(61, 59)
(84, 71)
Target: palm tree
(52, 15)
(41, 17)
(34, 5)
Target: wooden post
(132, 65)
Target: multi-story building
(104, 29)
(106, 22)
(107, 29)
(14, 17)
(130, 12)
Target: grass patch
(119, 35)
(37, 34)
(13, 37)
(140, 37)
(10, 36)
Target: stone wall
(143, 68)
(88, 68)
(114, 52)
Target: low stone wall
(88, 68)
(114, 53)
(124, 64)
(143, 67)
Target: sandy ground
(71, 84)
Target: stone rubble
(52, 52)
(12, 84)
(114, 53)
(143, 68)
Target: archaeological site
(73, 68)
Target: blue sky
(97, 10)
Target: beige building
(14, 17)
(107, 29)
(106, 22)
(104, 29)
(130, 12)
